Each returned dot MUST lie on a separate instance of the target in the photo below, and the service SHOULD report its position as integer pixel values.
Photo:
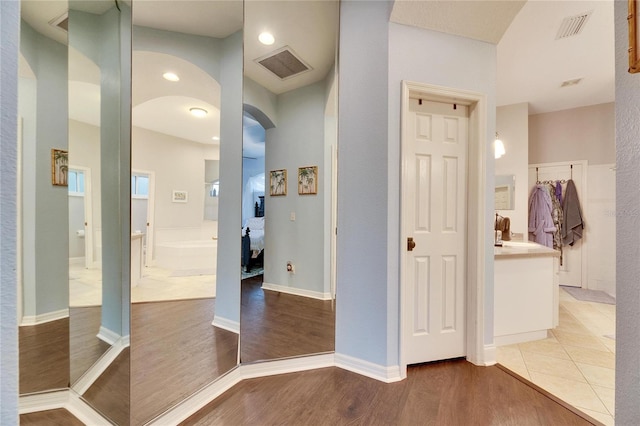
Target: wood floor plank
(278, 325)
(58, 417)
(175, 351)
(44, 356)
(445, 393)
(85, 348)
(109, 394)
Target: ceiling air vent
(571, 82)
(573, 25)
(284, 63)
(61, 22)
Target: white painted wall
(512, 125)
(627, 396)
(586, 133)
(9, 38)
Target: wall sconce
(498, 147)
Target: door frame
(151, 206)
(478, 220)
(88, 215)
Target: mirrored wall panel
(288, 203)
(187, 88)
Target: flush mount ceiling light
(498, 146)
(171, 76)
(266, 38)
(198, 112)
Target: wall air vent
(573, 25)
(284, 63)
(61, 22)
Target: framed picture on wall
(180, 196)
(308, 180)
(278, 182)
(59, 167)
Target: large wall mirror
(290, 137)
(187, 89)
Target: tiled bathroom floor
(576, 362)
(155, 285)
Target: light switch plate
(292, 216)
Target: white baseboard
(197, 401)
(99, 367)
(365, 368)
(65, 399)
(296, 291)
(226, 324)
(28, 320)
(108, 336)
(490, 355)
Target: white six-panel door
(435, 146)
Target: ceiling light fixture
(171, 76)
(198, 112)
(498, 147)
(215, 138)
(266, 38)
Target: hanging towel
(541, 226)
(572, 223)
(559, 191)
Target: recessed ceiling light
(198, 112)
(215, 138)
(266, 38)
(171, 76)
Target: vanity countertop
(523, 249)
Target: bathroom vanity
(526, 292)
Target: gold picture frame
(59, 167)
(278, 182)
(634, 31)
(308, 180)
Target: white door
(571, 270)
(435, 142)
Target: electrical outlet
(292, 216)
(291, 267)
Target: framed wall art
(59, 167)
(278, 182)
(179, 196)
(634, 31)
(308, 180)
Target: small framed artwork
(278, 182)
(634, 32)
(180, 196)
(308, 180)
(59, 166)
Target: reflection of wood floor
(85, 347)
(278, 325)
(444, 393)
(175, 351)
(50, 417)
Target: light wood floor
(445, 393)
(278, 325)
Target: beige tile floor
(576, 362)
(156, 284)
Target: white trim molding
(99, 367)
(108, 336)
(65, 399)
(479, 224)
(384, 374)
(226, 324)
(28, 320)
(297, 291)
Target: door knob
(410, 244)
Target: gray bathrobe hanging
(572, 223)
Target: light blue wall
(627, 228)
(368, 305)
(436, 58)
(9, 39)
(46, 207)
(296, 141)
(230, 207)
(363, 293)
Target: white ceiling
(531, 64)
